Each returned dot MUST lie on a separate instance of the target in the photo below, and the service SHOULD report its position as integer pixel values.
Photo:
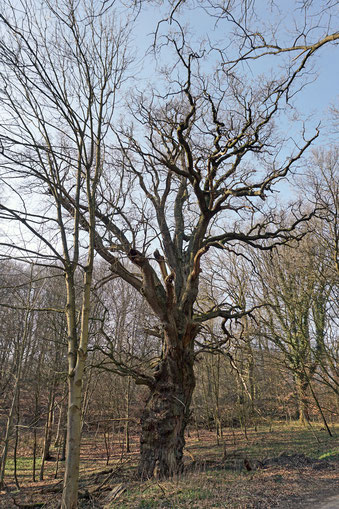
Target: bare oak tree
(195, 161)
(201, 159)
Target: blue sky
(314, 100)
(317, 97)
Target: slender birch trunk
(77, 347)
(77, 360)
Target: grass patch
(280, 439)
(330, 455)
(192, 494)
(24, 465)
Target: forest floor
(283, 467)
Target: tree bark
(71, 479)
(302, 401)
(77, 358)
(166, 414)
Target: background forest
(281, 363)
(169, 230)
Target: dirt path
(330, 503)
(321, 501)
(312, 493)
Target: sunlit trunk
(77, 352)
(166, 414)
(71, 479)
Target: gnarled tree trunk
(166, 414)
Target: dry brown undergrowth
(237, 473)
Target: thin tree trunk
(70, 487)
(71, 479)
(320, 409)
(48, 431)
(16, 443)
(127, 441)
(216, 388)
(36, 412)
(58, 431)
(7, 435)
(77, 354)
(64, 441)
(303, 412)
(196, 420)
(107, 444)
(206, 389)
(34, 452)
(57, 460)
(61, 420)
